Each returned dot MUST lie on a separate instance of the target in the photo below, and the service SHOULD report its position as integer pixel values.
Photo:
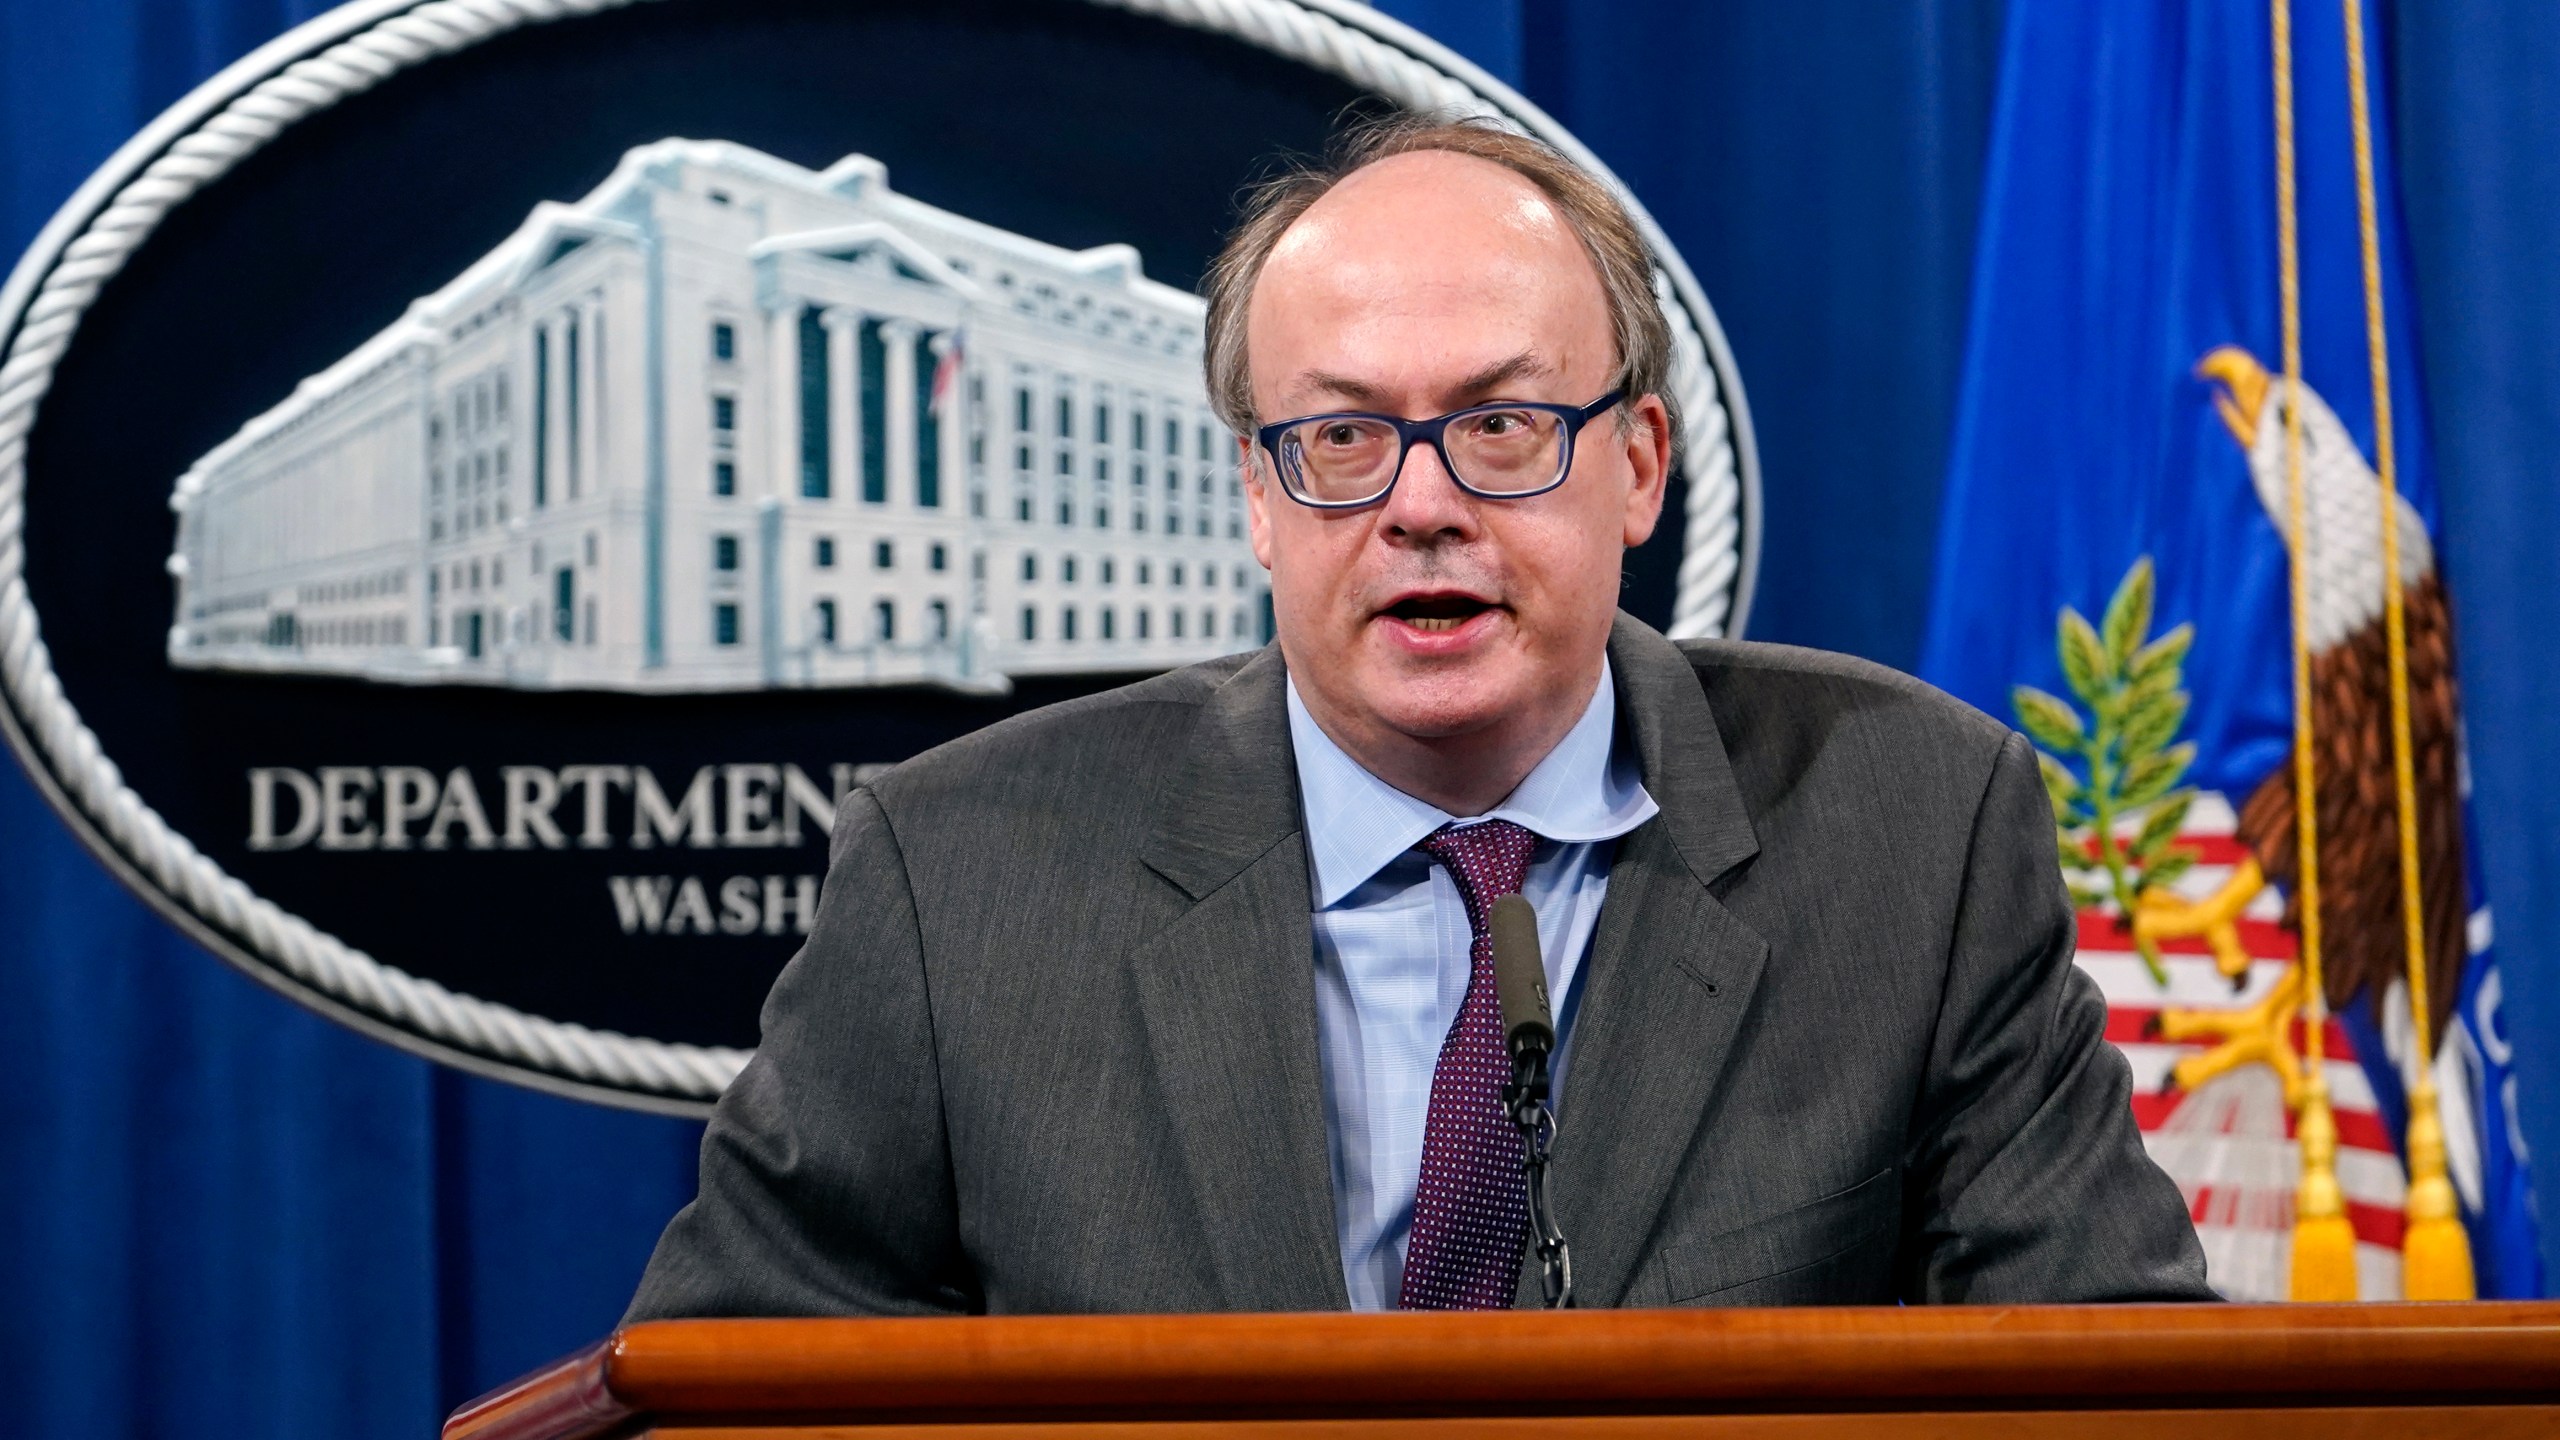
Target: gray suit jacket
(1052, 1043)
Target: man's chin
(1444, 703)
(1425, 697)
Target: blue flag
(2123, 398)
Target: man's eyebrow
(1361, 392)
(1526, 363)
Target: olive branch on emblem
(2117, 814)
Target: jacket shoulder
(1834, 730)
(1745, 678)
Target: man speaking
(1180, 997)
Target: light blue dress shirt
(1391, 951)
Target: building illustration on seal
(727, 423)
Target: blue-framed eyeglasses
(1506, 451)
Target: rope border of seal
(350, 50)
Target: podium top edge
(1663, 1361)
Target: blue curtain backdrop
(224, 1217)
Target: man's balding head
(1606, 231)
(1374, 274)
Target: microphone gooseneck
(1529, 1035)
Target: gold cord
(2428, 1266)
(2323, 1242)
(2306, 801)
(2305, 762)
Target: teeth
(1434, 623)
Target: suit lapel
(1228, 993)
(1670, 975)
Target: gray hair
(1608, 233)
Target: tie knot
(1488, 860)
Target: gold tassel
(2435, 1255)
(2324, 1244)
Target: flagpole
(2435, 1256)
(2323, 1242)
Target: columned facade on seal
(728, 423)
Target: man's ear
(1646, 438)
(1257, 500)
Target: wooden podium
(2340, 1372)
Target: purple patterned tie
(1471, 1208)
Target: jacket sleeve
(826, 1182)
(2027, 1178)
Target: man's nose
(1426, 503)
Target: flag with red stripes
(2230, 1144)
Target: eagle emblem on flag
(2158, 867)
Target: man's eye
(1498, 424)
(1340, 435)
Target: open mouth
(1433, 614)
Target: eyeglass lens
(1337, 459)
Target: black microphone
(1520, 980)
(1529, 1034)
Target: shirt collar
(1585, 789)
